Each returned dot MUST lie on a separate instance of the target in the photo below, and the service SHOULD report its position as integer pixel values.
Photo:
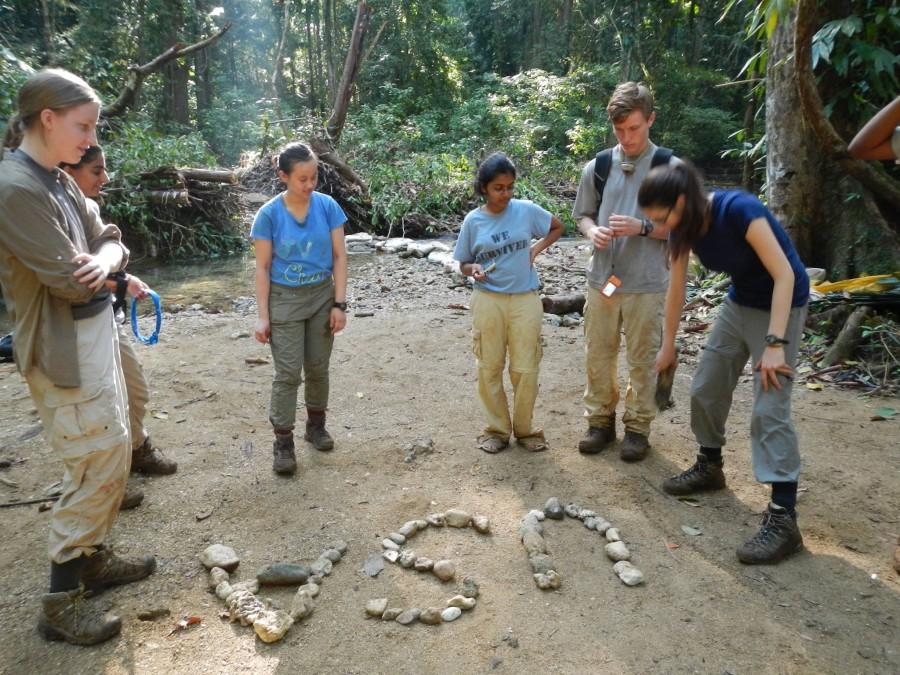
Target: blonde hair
(53, 89)
(628, 97)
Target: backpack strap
(602, 164)
(660, 157)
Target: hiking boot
(150, 460)
(778, 537)
(634, 447)
(68, 616)
(316, 433)
(702, 476)
(104, 570)
(596, 439)
(284, 462)
(132, 498)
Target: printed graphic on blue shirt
(501, 244)
(301, 252)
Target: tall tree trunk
(277, 77)
(175, 91)
(311, 61)
(807, 190)
(48, 34)
(351, 68)
(329, 28)
(565, 21)
(747, 181)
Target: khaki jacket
(36, 273)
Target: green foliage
(164, 231)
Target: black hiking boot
(104, 570)
(778, 537)
(316, 433)
(634, 447)
(132, 498)
(284, 462)
(703, 476)
(69, 616)
(148, 459)
(596, 439)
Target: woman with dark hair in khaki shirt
(54, 260)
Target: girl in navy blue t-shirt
(762, 317)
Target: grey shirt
(638, 262)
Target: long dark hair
(661, 189)
(495, 164)
(294, 153)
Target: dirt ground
(407, 372)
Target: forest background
(441, 83)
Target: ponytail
(15, 131)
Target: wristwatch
(340, 305)
(775, 341)
(646, 227)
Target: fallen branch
(28, 502)
(848, 339)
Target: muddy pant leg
(721, 363)
(88, 427)
(525, 351)
(642, 321)
(318, 344)
(489, 326)
(137, 388)
(602, 329)
(773, 438)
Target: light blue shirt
(301, 252)
(505, 239)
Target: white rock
(462, 602)
(407, 559)
(457, 518)
(409, 529)
(451, 614)
(312, 589)
(395, 244)
(245, 607)
(537, 513)
(216, 576)
(302, 605)
(617, 551)
(332, 554)
(390, 544)
(572, 510)
(628, 573)
(612, 534)
(590, 523)
(586, 513)
(376, 607)
(218, 555)
(251, 586)
(322, 566)
(397, 538)
(359, 237)
(548, 581)
(421, 524)
(340, 546)
(223, 590)
(436, 520)
(391, 556)
(271, 626)
(602, 525)
(423, 564)
(482, 524)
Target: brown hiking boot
(284, 462)
(132, 498)
(596, 439)
(150, 460)
(778, 537)
(104, 570)
(69, 616)
(634, 447)
(316, 433)
(702, 476)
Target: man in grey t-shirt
(627, 278)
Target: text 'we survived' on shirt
(505, 239)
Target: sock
(283, 432)
(784, 494)
(66, 576)
(714, 455)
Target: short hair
(628, 97)
(495, 164)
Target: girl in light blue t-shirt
(301, 295)
(494, 248)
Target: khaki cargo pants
(501, 322)
(88, 428)
(137, 389)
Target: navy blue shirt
(724, 248)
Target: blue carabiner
(154, 337)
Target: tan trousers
(507, 322)
(88, 427)
(137, 390)
(640, 315)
